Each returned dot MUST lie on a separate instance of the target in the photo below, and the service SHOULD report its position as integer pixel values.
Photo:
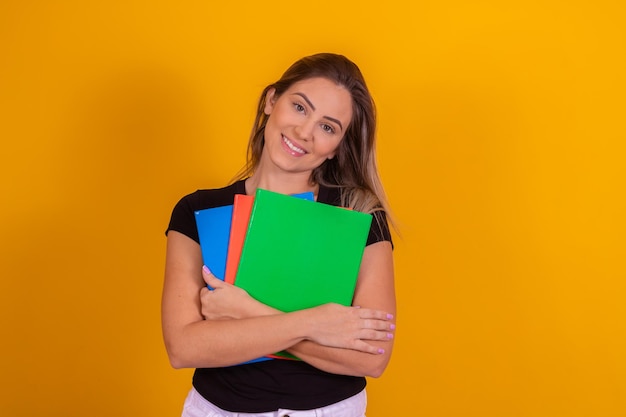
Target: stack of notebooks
(288, 252)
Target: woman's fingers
(352, 328)
(211, 280)
(371, 334)
(375, 319)
(378, 325)
(368, 313)
(361, 343)
(362, 346)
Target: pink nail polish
(389, 316)
(381, 351)
(389, 336)
(392, 326)
(206, 269)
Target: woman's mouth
(292, 148)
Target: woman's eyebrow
(334, 120)
(305, 98)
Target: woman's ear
(270, 99)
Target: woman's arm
(374, 290)
(192, 341)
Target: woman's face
(306, 124)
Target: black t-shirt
(273, 384)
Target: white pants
(197, 406)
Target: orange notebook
(242, 207)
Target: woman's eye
(328, 129)
(298, 107)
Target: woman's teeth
(293, 147)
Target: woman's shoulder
(214, 197)
(183, 220)
(329, 195)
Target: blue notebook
(214, 231)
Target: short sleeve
(379, 230)
(183, 219)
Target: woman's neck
(284, 184)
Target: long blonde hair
(353, 169)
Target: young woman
(314, 131)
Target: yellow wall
(501, 145)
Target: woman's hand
(225, 301)
(334, 325)
(331, 325)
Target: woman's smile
(291, 147)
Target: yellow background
(501, 147)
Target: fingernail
(389, 316)
(206, 269)
(381, 351)
(392, 326)
(389, 335)
(357, 306)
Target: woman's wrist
(254, 308)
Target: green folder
(300, 254)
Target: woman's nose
(305, 130)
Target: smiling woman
(314, 132)
(306, 126)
